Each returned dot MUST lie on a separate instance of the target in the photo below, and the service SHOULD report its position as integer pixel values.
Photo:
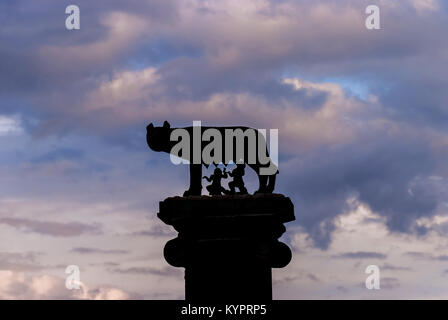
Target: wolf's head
(158, 138)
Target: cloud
(360, 255)
(425, 5)
(18, 286)
(20, 261)
(85, 250)
(123, 30)
(355, 245)
(10, 125)
(308, 113)
(388, 266)
(313, 277)
(257, 56)
(101, 293)
(286, 279)
(157, 230)
(427, 256)
(54, 229)
(389, 283)
(164, 272)
(418, 255)
(379, 174)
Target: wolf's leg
(271, 186)
(231, 187)
(195, 180)
(263, 180)
(243, 189)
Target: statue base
(228, 244)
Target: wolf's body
(158, 139)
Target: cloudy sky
(363, 138)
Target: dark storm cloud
(193, 59)
(201, 75)
(52, 84)
(379, 172)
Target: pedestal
(227, 244)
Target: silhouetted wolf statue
(216, 145)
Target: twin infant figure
(216, 188)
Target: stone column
(227, 244)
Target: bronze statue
(160, 139)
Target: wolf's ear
(149, 127)
(166, 125)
